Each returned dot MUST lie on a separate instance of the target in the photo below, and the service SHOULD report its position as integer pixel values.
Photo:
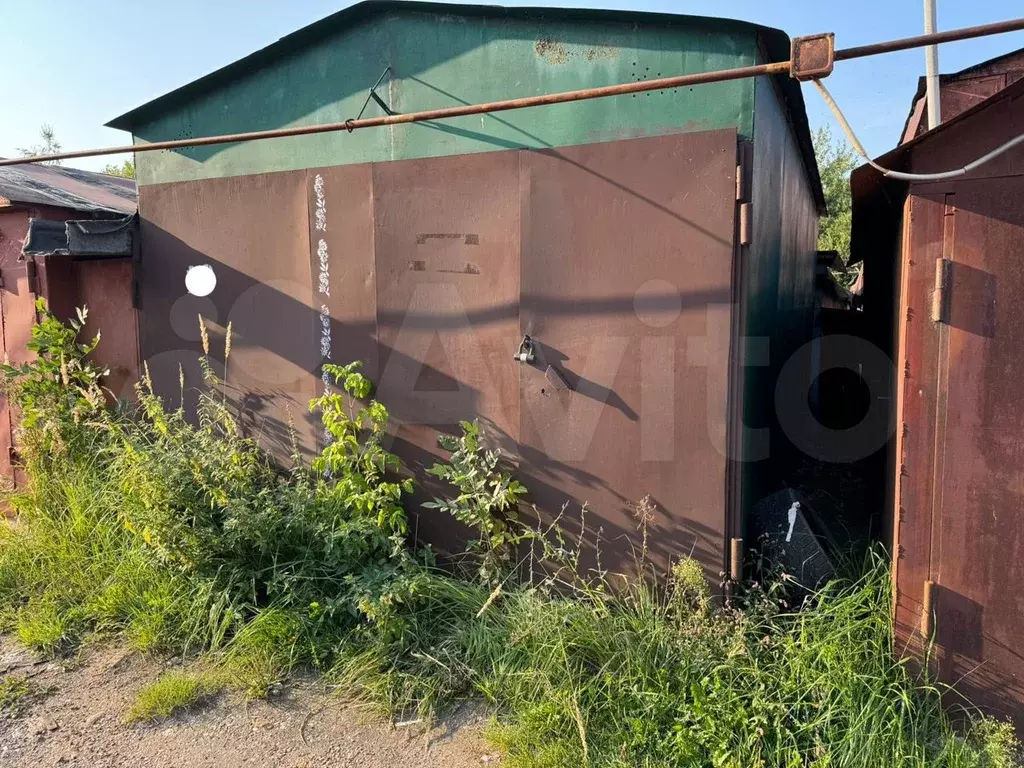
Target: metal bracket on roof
(812, 57)
(372, 94)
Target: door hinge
(928, 610)
(741, 184)
(736, 560)
(744, 160)
(746, 224)
(32, 277)
(940, 296)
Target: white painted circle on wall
(200, 280)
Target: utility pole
(931, 65)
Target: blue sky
(76, 65)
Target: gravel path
(74, 716)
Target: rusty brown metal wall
(960, 497)
(616, 257)
(17, 303)
(447, 248)
(627, 258)
(13, 226)
(253, 233)
(105, 286)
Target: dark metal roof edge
(975, 67)
(950, 77)
(368, 9)
(73, 189)
(866, 181)
(776, 45)
(899, 153)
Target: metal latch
(526, 351)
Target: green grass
(665, 679)
(182, 539)
(14, 692)
(69, 566)
(174, 692)
(577, 675)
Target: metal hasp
(813, 57)
(525, 353)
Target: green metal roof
(775, 44)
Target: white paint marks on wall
(325, 334)
(324, 276)
(321, 206)
(325, 272)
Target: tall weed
(182, 536)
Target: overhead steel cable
(900, 175)
(760, 70)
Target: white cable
(899, 174)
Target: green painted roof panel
(441, 55)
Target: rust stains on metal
(813, 56)
(956, 459)
(551, 51)
(555, 52)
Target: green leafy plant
(354, 459)
(487, 499)
(836, 159)
(182, 537)
(58, 389)
(173, 692)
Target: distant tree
(125, 170)
(49, 145)
(836, 159)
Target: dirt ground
(74, 716)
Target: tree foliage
(48, 146)
(835, 161)
(126, 170)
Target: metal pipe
(776, 68)
(920, 41)
(931, 67)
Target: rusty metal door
(17, 303)
(627, 259)
(961, 503)
(446, 245)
